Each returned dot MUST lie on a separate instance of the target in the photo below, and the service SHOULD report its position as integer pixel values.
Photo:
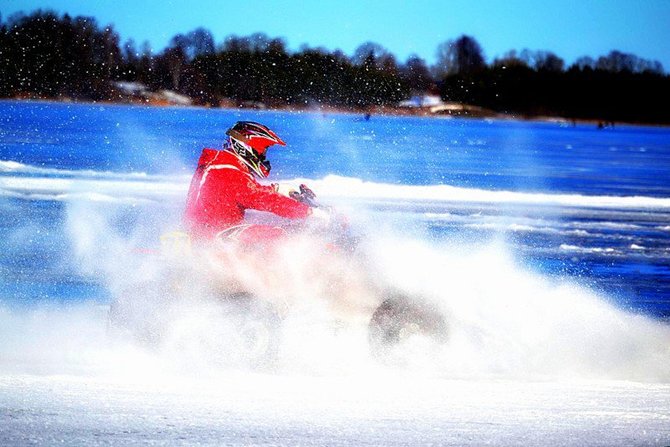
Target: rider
(224, 186)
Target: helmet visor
(258, 163)
(264, 165)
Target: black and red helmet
(250, 140)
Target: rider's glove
(307, 193)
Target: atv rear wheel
(257, 328)
(133, 313)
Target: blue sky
(569, 28)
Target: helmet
(250, 141)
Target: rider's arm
(266, 198)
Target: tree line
(46, 55)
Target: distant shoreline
(367, 113)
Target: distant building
(421, 101)
(459, 109)
(173, 98)
(134, 91)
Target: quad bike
(233, 298)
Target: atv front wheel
(398, 319)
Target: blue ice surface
(489, 154)
(493, 155)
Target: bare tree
(445, 59)
(584, 62)
(416, 74)
(548, 61)
(200, 43)
(175, 58)
(510, 59)
(370, 51)
(617, 61)
(463, 55)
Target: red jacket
(221, 190)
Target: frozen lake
(546, 246)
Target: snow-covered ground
(65, 381)
(383, 409)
